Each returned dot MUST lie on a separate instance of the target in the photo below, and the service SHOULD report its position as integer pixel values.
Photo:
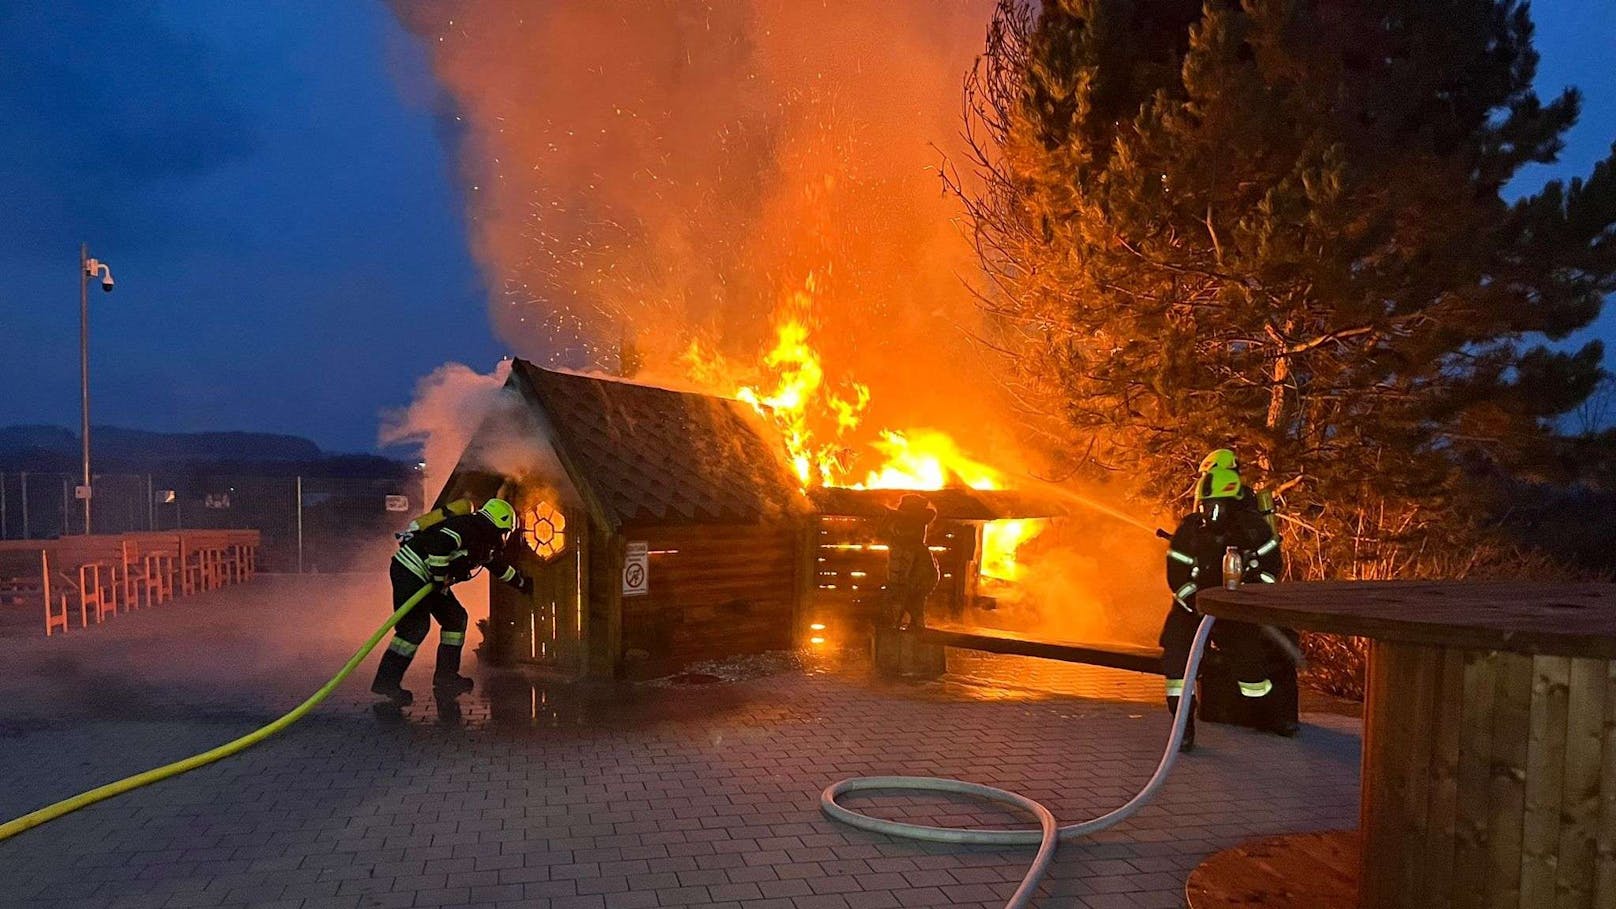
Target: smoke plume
(660, 172)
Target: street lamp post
(88, 268)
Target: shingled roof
(653, 454)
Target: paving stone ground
(588, 797)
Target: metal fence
(309, 524)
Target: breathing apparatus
(434, 517)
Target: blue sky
(274, 187)
(275, 194)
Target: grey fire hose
(1049, 833)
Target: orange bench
(25, 580)
(205, 557)
(152, 558)
(245, 544)
(91, 568)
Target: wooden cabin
(661, 528)
(664, 528)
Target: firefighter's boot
(389, 675)
(1276, 713)
(1188, 743)
(447, 680)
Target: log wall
(603, 625)
(715, 591)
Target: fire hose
(1049, 834)
(69, 805)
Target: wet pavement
(540, 794)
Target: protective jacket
(1195, 555)
(449, 552)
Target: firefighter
(911, 568)
(1226, 515)
(443, 554)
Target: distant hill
(53, 448)
(120, 444)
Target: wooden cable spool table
(1489, 749)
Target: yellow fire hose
(65, 806)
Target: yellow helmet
(1219, 483)
(1221, 459)
(500, 513)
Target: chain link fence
(309, 524)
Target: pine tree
(1280, 225)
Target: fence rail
(308, 523)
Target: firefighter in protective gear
(912, 571)
(444, 554)
(1224, 517)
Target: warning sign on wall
(637, 570)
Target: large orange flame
(818, 422)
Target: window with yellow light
(544, 529)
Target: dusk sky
(274, 187)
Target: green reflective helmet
(500, 513)
(1221, 459)
(1219, 483)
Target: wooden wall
(603, 626)
(715, 591)
(1489, 780)
(545, 627)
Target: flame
(1001, 540)
(796, 400)
(926, 459)
(818, 423)
(814, 419)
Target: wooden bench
(110, 554)
(152, 558)
(25, 580)
(234, 554)
(244, 546)
(201, 560)
(90, 568)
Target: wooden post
(45, 587)
(905, 654)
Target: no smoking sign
(636, 570)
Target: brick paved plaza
(558, 797)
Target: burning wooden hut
(664, 527)
(660, 527)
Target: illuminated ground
(600, 797)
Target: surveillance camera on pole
(88, 268)
(92, 266)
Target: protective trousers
(1239, 642)
(411, 630)
(911, 576)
